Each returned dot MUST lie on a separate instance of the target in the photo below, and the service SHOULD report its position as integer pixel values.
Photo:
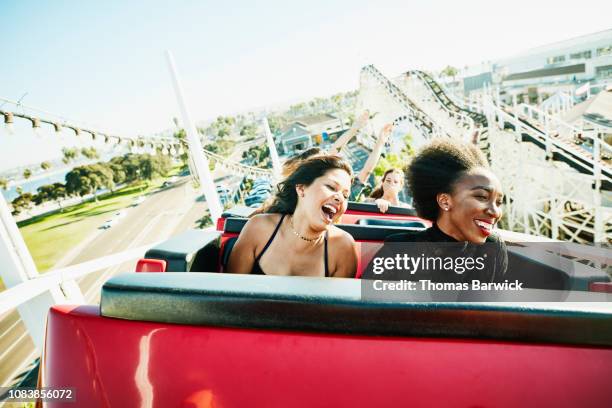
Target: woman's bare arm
(349, 134)
(242, 257)
(346, 255)
(375, 155)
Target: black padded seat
(238, 211)
(550, 271)
(335, 305)
(391, 223)
(358, 232)
(192, 250)
(227, 250)
(373, 208)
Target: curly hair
(436, 168)
(378, 192)
(286, 198)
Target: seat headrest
(373, 208)
(392, 223)
(358, 232)
(336, 305)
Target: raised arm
(349, 134)
(375, 155)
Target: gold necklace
(297, 234)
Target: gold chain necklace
(297, 234)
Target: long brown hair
(293, 162)
(378, 192)
(306, 173)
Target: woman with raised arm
(360, 182)
(296, 235)
(387, 193)
(349, 134)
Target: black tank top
(257, 268)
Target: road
(163, 214)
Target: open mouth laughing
(329, 212)
(485, 226)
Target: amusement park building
(549, 68)
(307, 131)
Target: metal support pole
(207, 185)
(276, 166)
(600, 231)
(549, 154)
(16, 267)
(555, 220)
(517, 123)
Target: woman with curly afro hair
(453, 187)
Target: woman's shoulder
(265, 218)
(261, 222)
(495, 240)
(339, 236)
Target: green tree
(45, 165)
(27, 173)
(119, 175)
(3, 183)
(393, 160)
(222, 132)
(90, 153)
(50, 192)
(22, 202)
(450, 72)
(182, 139)
(276, 123)
(129, 165)
(152, 166)
(85, 180)
(69, 155)
(58, 194)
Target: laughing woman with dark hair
(296, 236)
(452, 186)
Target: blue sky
(103, 62)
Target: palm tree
(450, 72)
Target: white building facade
(561, 66)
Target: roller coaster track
(448, 103)
(563, 150)
(237, 167)
(555, 188)
(413, 114)
(560, 148)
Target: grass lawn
(50, 237)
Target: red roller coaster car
(177, 339)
